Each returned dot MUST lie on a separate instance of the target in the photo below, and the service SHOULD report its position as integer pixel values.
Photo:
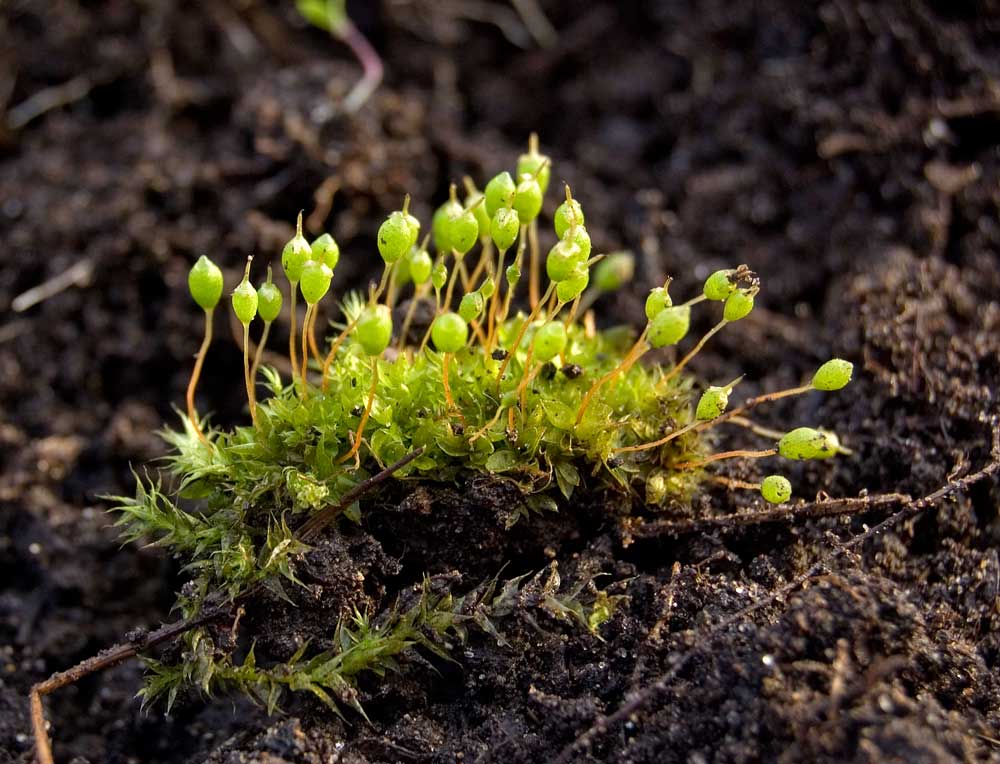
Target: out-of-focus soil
(848, 152)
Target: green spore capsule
(471, 306)
(374, 329)
(475, 203)
(776, 489)
(402, 272)
(395, 237)
(806, 443)
(513, 275)
(269, 300)
(571, 288)
(462, 231)
(439, 276)
(326, 250)
(244, 299)
(528, 199)
(738, 305)
(411, 220)
(719, 285)
(488, 287)
(713, 403)
(567, 215)
(205, 283)
(657, 301)
(535, 163)
(499, 193)
(295, 254)
(504, 228)
(833, 375)
(562, 260)
(439, 223)
(581, 238)
(614, 271)
(421, 266)
(550, 341)
(670, 326)
(315, 281)
(449, 332)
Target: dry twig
(124, 651)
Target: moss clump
(536, 396)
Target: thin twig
(122, 652)
(105, 660)
(48, 99)
(804, 511)
(321, 519)
(76, 275)
(643, 696)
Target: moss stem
(196, 374)
(364, 416)
(740, 453)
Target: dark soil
(847, 151)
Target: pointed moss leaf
(501, 461)
(567, 476)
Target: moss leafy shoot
(472, 354)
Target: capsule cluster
(482, 244)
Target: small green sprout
(331, 16)
(833, 375)
(776, 489)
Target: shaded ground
(847, 152)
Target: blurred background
(847, 151)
